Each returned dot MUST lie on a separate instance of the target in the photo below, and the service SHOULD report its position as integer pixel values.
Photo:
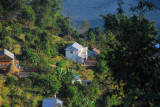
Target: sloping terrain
(91, 9)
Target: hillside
(117, 66)
(81, 10)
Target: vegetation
(127, 72)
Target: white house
(77, 53)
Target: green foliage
(71, 91)
(109, 101)
(60, 46)
(78, 67)
(25, 82)
(142, 7)
(102, 66)
(4, 33)
(1, 10)
(91, 36)
(49, 84)
(46, 12)
(10, 5)
(16, 29)
(44, 39)
(132, 61)
(85, 97)
(75, 34)
(27, 15)
(10, 81)
(28, 36)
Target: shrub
(78, 67)
(10, 81)
(25, 82)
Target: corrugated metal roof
(6, 52)
(74, 46)
(96, 50)
(51, 102)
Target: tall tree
(27, 15)
(132, 61)
(10, 6)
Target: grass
(1, 101)
(17, 49)
(87, 74)
(56, 39)
(57, 58)
(22, 37)
(5, 92)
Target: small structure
(94, 52)
(91, 62)
(86, 82)
(76, 79)
(7, 58)
(77, 53)
(52, 102)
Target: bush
(25, 82)
(10, 81)
(78, 67)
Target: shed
(6, 58)
(52, 102)
(94, 52)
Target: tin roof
(96, 50)
(74, 46)
(51, 102)
(6, 52)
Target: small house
(52, 102)
(94, 52)
(77, 53)
(6, 58)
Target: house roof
(74, 46)
(51, 102)
(7, 53)
(96, 50)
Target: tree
(46, 12)
(84, 27)
(27, 15)
(91, 36)
(10, 81)
(4, 34)
(132, 61)
(44, 38)
(16, 29)
(142, 7)
(49, 84)
(10, 6)
(1, 10)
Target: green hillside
(125, 73)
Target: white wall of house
(73, 55)
(70, 54)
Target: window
(71, 51)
